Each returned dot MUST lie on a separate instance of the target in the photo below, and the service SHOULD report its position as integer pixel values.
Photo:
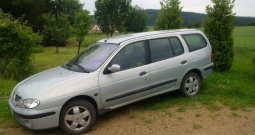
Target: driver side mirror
(114, 68)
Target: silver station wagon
(112, 73)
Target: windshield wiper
(69, 65)
(81, 68)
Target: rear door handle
(143, 73)
(184, 62)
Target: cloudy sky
(242, 7)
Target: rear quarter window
(194, 41)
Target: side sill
(102, 111)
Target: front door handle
(143, 73)
(184, 62)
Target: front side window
(194, 41)
(160, 49)
(133, 55)
(93, 57)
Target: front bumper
(36, 119)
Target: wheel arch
(82, 97)
(197, 71)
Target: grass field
(235, 89)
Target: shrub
(16, 43)
(38, 49)
(254, 66)
(218, 27)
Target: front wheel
(77, 117)
(191, 85)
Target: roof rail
(161, 32)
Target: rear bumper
(207, 70)
(211, 67)
(36, 119)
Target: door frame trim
(140, 90)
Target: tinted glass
(131, 56)
(93, 57)
(160, 49)
(177, 46)
(195, 41)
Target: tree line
(191, 17)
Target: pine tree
(170, 15)
(218, 27)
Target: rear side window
(195, 41)
(177, 46)
(160, 49)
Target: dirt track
(195, 121)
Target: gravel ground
(197, 120)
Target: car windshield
(93, 57)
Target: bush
(218, 27)
(254, 66)
(16, 43)
(38, 49)
(251, 24)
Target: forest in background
(192, 17)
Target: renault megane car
(111, 73)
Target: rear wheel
(77, 117)
(191, 85)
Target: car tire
(191, 85)
(77, 117)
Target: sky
(242, 7)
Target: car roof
(122, 38)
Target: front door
(131, 82)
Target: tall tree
(57, 29)
(137, 21)
(68, 7)
(170, 15)
(29, 10)
(32, 10)
(81, 26)
(218, 26)
(112, 14)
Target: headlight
(28, 103)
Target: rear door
(129, 84)
(168, 63)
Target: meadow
(234, 89)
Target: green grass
(49, 58)
(88, 40)
(5, 87)
(244, 37)
(235, 89)
(6, 118)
